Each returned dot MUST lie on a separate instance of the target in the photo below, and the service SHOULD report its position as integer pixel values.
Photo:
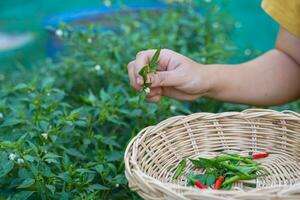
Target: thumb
(164, 79)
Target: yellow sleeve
(285, 12)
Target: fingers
(132, 77)
(154, 95)
(154, 92)
(154, 99)
(162, 77)
(165, 79)
(142, 59)
(177, 94)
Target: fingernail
(139, 81)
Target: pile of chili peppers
(223, 171)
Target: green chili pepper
(230, 157)
(237, 178)
(180, 169)
(233, 168)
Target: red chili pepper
(260, 155)
(218, 183)
(199, 185)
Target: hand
(177, 76)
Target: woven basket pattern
(152, 157)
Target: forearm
(271, 79)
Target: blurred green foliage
(17, 16)
(65, 125)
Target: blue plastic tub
(80, 19)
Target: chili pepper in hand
(180, 168)
(260, 155)
(218, 183)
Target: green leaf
(206, 179)
(65, 196)
(98, 187)
(154, 60)
(29, 158)
(45, 170)
(65, 176)
(115, 156)
(33, 147)
(210, 179)
(75, 153)
(110, 141)
(51, 155)
(99, 168)
(21, 86)
(203, 162)
(11, 122)
(24, 173)
(26, 183)
(147, 85)
(51, 160)
(247, 170)
(6, 167)
(23, 195)
(144, 72)
(51, 188)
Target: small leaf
(98, 187)
(51, 155)
(26, 183)
(65, 177)
(247, 170)
(115, 156)
(154, 60)
(110, 141)
(11, 122)
(24, 173)
(51, 188)
(23, 195)
(144, 71)
(21, 86)
(6, 168)
(210, 179)
(99, 168)
(203, 162)
(147, 85)
(75, 153)
(29, 158)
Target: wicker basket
(153, 155)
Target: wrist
(211, 78)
